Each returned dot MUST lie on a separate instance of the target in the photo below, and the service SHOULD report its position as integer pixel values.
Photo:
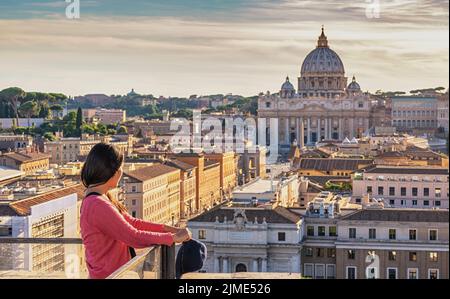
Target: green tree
(56, 108)
(122, 130)
(28, 109)
(13, 96)
(79, 121)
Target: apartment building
(71, 149)
(104, 116)
(208, 186)
(152, 193)
(414, 113)
(393, 244)
(52, 214)
(27, 162)
(15, 142)
(403, 187)
(228, 171)
(188, 191)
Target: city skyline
(174, 48)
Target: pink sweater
(107, 234)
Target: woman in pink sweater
(109, 233)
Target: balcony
(63, 258)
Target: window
(392, 234)
(413, 234)
(310, 231)
(281, 236)
(380, 190)
(413, 273)
(391, 191)
(426, 202)
(413, 256)
(332, 231)
(426, 191)
(351, 273)
(267, 104)
(392, 255)
(392, 202)
(202, 234)
(352, 233)
(351, 254)
(437, 203)
(319, 271)
(308, 252)
(437, 192)
(331, 271)
(133, 189)
(133, 202)
(372, 233)
(391, 273)
(133, 213)
(433, 274)
(432, 235)
(433, 256)
(308, 270)
(403, 191)
(414, 202)
(415, 191)
(321, 231)
(331, 252)
(320, 252)
(369, 189)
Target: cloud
(247, 52)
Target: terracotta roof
(399, 215)
(150, 172)
(407, 170)
(26, 157)
(277, 215)
(179, 164)
(23, 207)
(332, 164)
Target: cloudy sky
(184, 47)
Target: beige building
(153, 193)
(415, 114)
(228, 171)
(71, 149)
(252, 165)
(105, 116)
(393, 244)
(188, 190)
(403, 187)
(15, 142)
(442, 112)
(27, 162)
(207, 179)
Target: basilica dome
(322, 73)
(322, 59)
(353, 86)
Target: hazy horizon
(179, 48)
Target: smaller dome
(353, 86)
(287, 85)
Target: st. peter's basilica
(323, 107)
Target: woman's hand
(182, 235)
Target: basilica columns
(286, 130)
(318, 129)
(309, 130)
(264, 265)
(255, 265)
(297, 135)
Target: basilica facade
(324, 106)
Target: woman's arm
(108, 220)
(149, 226)
(144, 225)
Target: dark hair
(102, 163)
